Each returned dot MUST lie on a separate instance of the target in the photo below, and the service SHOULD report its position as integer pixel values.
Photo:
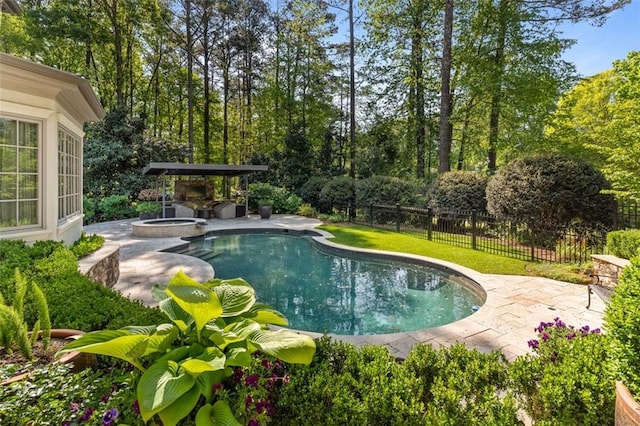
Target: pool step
(203, 254)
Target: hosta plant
(215, 328)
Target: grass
(377, 239)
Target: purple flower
(215, 388)
(251, 380)
(136, 407)
(545, 336)
(254, 422)
(86, 415)
(595, 331)
(109, 416)
(75, 407)
(266, 363)
(571, 336)
(237, 375)
(286, 379)
(265, 406)
(105, 397)
(248, 401)
(533, 344)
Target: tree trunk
(418, 58)
(496, 98)
(446, 129)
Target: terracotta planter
(80, 360)
(627, 409)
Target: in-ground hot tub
(164, 228)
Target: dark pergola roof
(183, 169)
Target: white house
(42, 112)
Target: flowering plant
(216, 327)
(565, 380)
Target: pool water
(341, 293)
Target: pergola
(183, 169)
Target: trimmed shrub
(310, 192)
(86, 245)
(116, 207)
(388, 190)
(338, 192)
(566, 380)
(622, 322)
(458, 190)
(550, 189)
(625, 244)
(88, 209)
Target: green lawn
(358, 236)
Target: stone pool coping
(514, 304)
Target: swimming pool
(340, 292)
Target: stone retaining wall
(608, 268)
(103, 266)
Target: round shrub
(458, 190)
(116, 207)
(622, 322)
(387, 190)
(310, 191)
(283, 200)
(338, 192)
(550, 188)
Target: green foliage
(625, 243)
(115, 152)
(307, 210)
(216, 326)
(566, 380)
(310, 191)
(458, 191)
(115, 207)
(622, 322)
(86, 245)
(388, 190)
(550, 189)
(339, 191)
(74, 300)
(148, 207)
(88, 209)
(53, 395)
(350, 386)
(282, 200)
(14, 328)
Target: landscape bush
(283, 200)
(86, 245)
(624, 243)
(74, 300)
(338, 192)
(388, 190)
(566, 380)
(458, 190)
(622, 322)
(88, 210)
(116, 207)
(350, 386)
(310, 192)
(547, 189)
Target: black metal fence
(485, 232)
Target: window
(19, 178)
(69, 175)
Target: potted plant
(622, 322)
(216, 327)
(148, 209)
(265, 208)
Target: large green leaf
(212, 359)
(243, 329)
(265, 314)
(238, 357)
(236, 297)
(290, 347)
(194, 298)
(116, 343)
(160, 337)
(218, 414)
(181, 408)
(206, 381)
(160, 386)
(176, 314)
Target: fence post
(474, 218)
(371, 215)
(397, 217)
(533, 245)
(349, 210)
(429, 224)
